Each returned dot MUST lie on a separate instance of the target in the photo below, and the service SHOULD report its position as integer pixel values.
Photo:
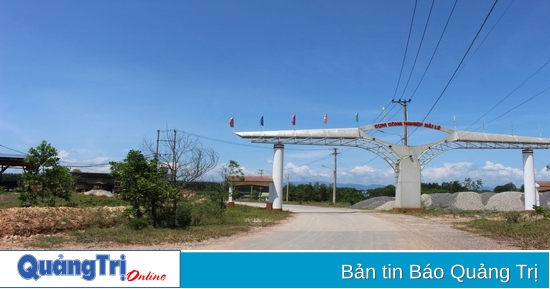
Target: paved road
(320, 228)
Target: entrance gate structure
(407, 161)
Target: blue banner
(457, 269)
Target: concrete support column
(530, 191)
(407, 192)
(278, 159)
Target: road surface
(327, 228)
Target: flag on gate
(325, 118)
(293, 119)
(262, 121)
(231, 122)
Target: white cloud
(543, 174)
(97, 164)
(362, 170)
(298, 170)
(492, 174)
(499, 170)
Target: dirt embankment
(31, 221)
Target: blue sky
(94, 78)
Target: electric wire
(524, 102)
(406, 49)
(12, 149)
(419, 48)
(460, 63)
(435, 50)
(485, 38)
(491, 109)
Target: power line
(528, 78)
(12, 149)
(406, 49)
(485, 38)
(419, 48)
(529, 99)
(435, 50)
(462, 60)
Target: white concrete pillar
(230, 194)
(278, 159)
(530, 197)
(407, 193)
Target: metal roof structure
(261, 181)
(406, 160)
(390, 152)
(11, 160)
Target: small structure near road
(264, 184)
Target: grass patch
(236, 220)
(526, 231)
(11, 200)
(47, 242)
(8, 200)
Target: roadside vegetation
(152, 206)
(100, 219)
(529, 231)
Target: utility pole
(174, 172)
(335, 153)
(404, 103)
(157, 151)
(261, 172)
(287, 185)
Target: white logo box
(86, 269)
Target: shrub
(513, 216)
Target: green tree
(388, 191)
(453, 187)
(229, 175)
(153, 201)
(472, 185)
(45, 178)
(350, 195)
(509, 187)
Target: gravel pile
(470, 201)
(99, 193)
(372, 203)
(545, 200)
(443, 200)
(506, 201)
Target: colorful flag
(231, 122)
(293, 119)
(356, 117)
(325, 118)
(262, 121)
